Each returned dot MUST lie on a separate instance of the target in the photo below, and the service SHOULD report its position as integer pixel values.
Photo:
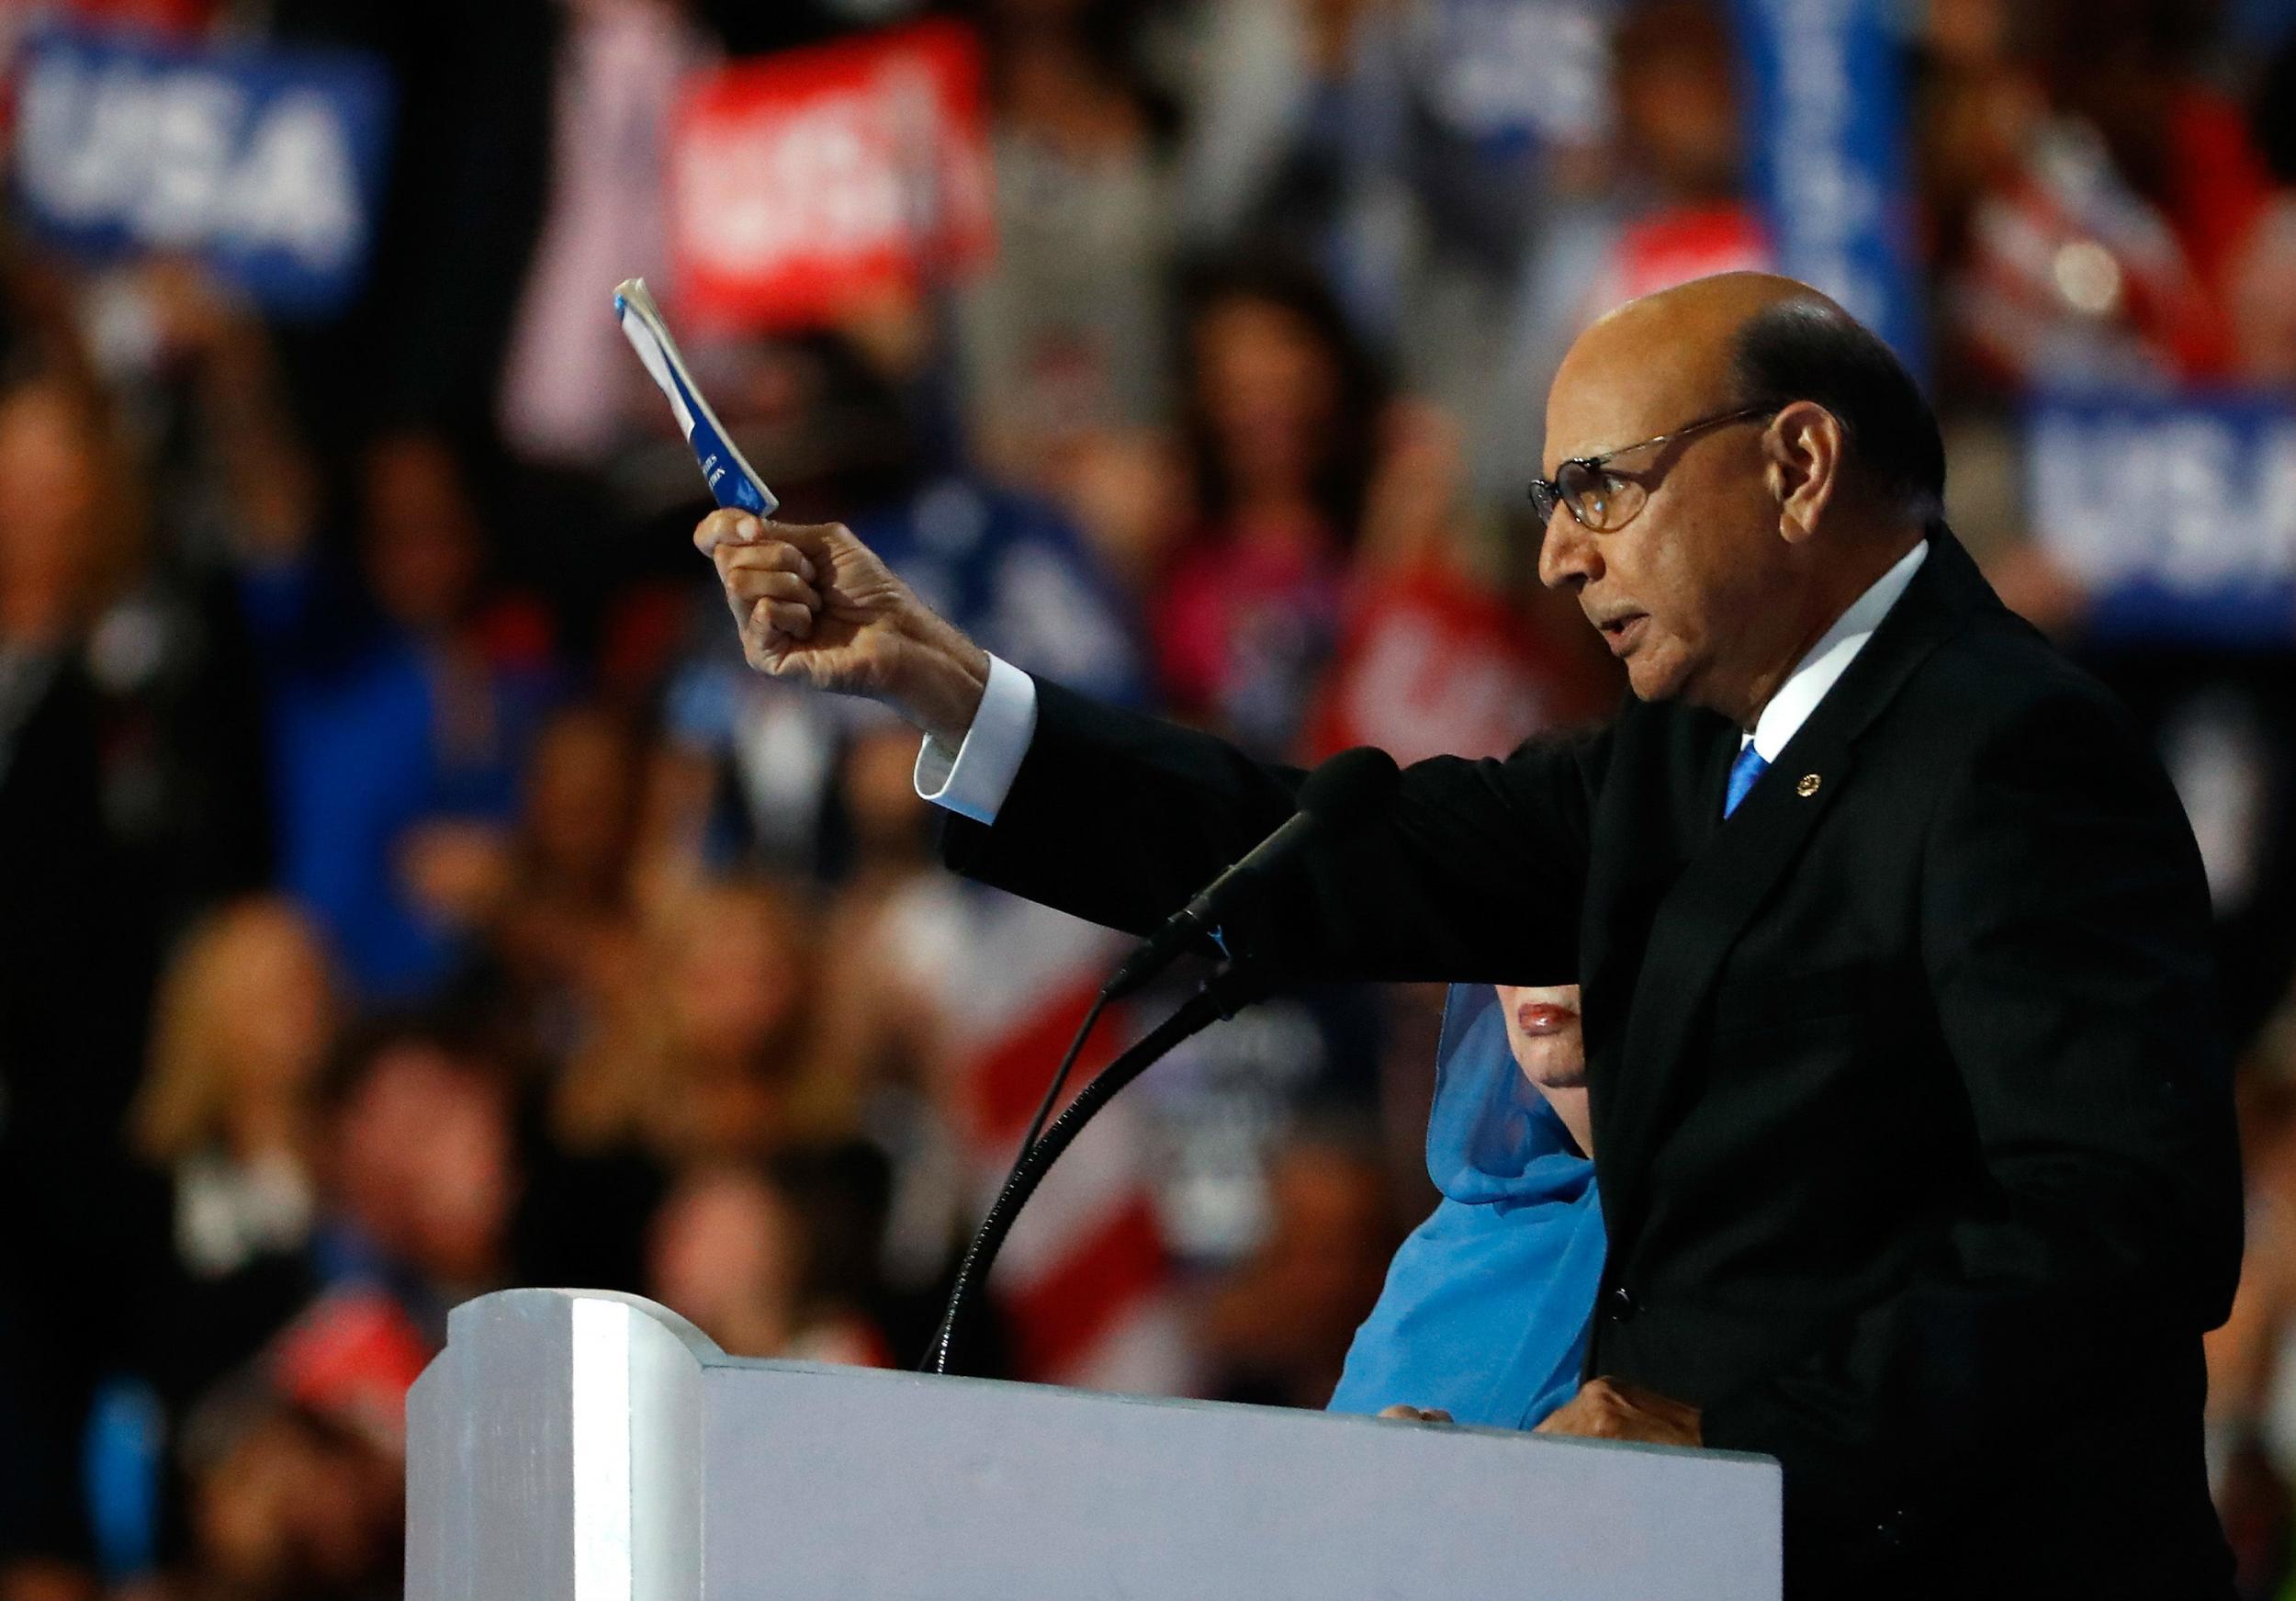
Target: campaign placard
(2177, 515)
(806, 183)
(1828, 161)
(267, 163)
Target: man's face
(1679, 592)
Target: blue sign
(2177, 515)
(1507, 74)
(267, 163)
(1826, 121)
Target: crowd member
(1275, 1330)
(470, 151)
(84, 899)
(767, 1267)
(1404, 149)
(1063, 336)
(1661, 202)
(1283, 406)
(704, 1055)
(559, 936)
(2099, 200)
(228, 1111)
(1440, 648)
(286, 1503)
(2263, 280)
(401, 707)
(570, 404)
(569, 396)
(423, 1174)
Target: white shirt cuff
(973, 780)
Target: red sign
(807, 183)
(1433, 668)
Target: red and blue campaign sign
(267, 163)
(807, 183)
(2178, 516)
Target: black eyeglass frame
(1547, 494)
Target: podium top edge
(463, 1319)
(464, 1322)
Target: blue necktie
(1749, 767)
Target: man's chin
(1653, 679)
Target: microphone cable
(1059, 1078)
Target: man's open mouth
(1621, 632)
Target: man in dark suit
(1913, 1124)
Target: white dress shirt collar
(1828, 659)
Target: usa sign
(268, 164)
(805, 184)
(2177, 514)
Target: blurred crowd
(407, 892)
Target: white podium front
(582, 1446)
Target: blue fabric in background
(1487, 1304)
(358, 760)
(1829, 157)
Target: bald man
(1912, 1122)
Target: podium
(585, 1446)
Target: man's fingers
(764, 556)
(785, 618)
(769, 630)
(773, 585)
(726, 524)
(792, 619)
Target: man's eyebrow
(1635, 444)
(1599, 451)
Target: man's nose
(1566, 555)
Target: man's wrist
(970, 777)
(945, 692)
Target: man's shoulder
(1999, 722)
(2001, 678)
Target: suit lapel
(1728, 869)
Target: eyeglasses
(1605, 498)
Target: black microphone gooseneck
(1334, 800)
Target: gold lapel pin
(1808, 785)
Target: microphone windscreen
(1348, 788)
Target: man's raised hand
(814, 602)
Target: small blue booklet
(732, 483)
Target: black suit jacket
(1911, 1116)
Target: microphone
(1334, 801)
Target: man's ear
(1804, 444)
